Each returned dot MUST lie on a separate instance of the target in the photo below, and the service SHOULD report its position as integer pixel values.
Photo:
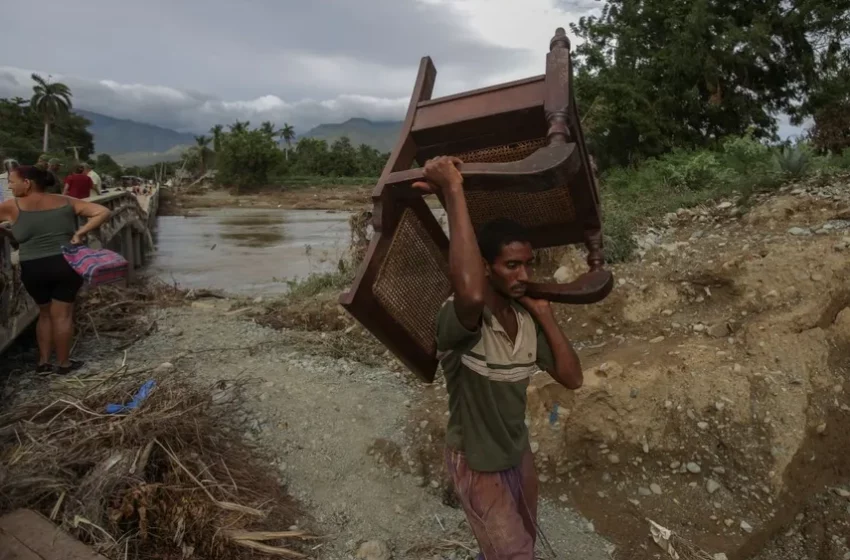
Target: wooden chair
(524, 158)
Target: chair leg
(595, 255)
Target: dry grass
(120, 312)
(168, 479)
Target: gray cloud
(187, 111)
(319, 49)
(193, 63)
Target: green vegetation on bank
(635, 196)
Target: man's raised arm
(466, 267)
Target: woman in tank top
(42, 223)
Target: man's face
(512, 269)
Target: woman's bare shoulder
(7, 210)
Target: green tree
(311, 157)
(105, 165)
(21, 131)
(202, 145)
(653, 75)
(267, 127)
(216, 132)
(343, 159)
(240, 126)
(826, 93)
(246, 159)
(287, 134)
(50, 100)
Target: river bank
(332, 198)
(343, 197)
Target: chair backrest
(524, 159)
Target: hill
(121, 136)
(381, 135)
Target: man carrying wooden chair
(491, 338)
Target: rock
(699, 327)
(729, 522)
(821, 428)
(693, 468)
(166, 367)
(264, 397)
(842, 492)
(720, 330)
(564, 498)
(634, 392)
(720, 556)
(798, 231)
(614, 458)
(644, 491)
(712, 486)
(374, 550)
(724, 205)
(746, 527)
(656, 340)
(656, 489)
(562, 275)
(675, 465)
(702, 425)
(534, 446)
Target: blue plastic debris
(553, 416)
(138, 399)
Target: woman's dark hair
(497, 233)
(79, 169)
(40, 178)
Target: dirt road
(337, 428)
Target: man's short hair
(54, 161)
(43, 157)
(497, 233)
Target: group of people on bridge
(83, 182)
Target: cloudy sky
(189, 64)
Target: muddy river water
(247, 251)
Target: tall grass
(636, 196)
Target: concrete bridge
(128, 231)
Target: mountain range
(135, 143)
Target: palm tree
(240, 126)
(216, 131)
(203, 141)
(268, 128)
(49, 100)
(288, 134)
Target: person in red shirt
(78, 184)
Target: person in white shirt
(95, 178)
